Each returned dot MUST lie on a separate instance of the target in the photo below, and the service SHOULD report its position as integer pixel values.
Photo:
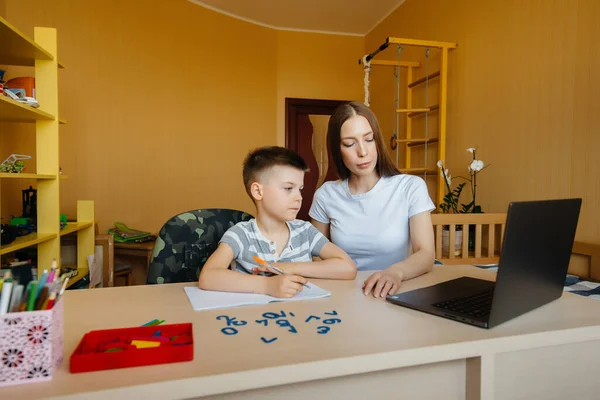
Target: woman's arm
(421, 236)
(323, 228)
(420, 262)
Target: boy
(274, 179)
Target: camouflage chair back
(186, 241)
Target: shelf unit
(24, 175)
(40, 53)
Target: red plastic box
(91, 353)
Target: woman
(373, 212)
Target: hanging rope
(367, 68)
(426, 106)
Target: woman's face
(357, 144)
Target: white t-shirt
(372, 227)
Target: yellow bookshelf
(14, 111)
(18, 49)
(6, 175)
(26, 241)
(40, 53)
(81, 273)
(74, 227)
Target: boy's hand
(284, 285)
(259, 269)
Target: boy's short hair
(264, 158)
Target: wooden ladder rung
(412, 110)
(424, 79)
(418, 171)
(423, 111)
(417, 142)
(386, 63)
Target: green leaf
(458, 190)
(466, 208)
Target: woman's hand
(383, 283)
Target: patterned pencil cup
(31, 345)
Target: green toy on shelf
(14, 163)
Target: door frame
(296, 106)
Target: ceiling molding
(282, 28)
(385, 17)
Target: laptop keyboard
(477, 305)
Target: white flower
(440, 164)
(476, 165)
(448, 178)
(471, 150)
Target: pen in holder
(31, 345)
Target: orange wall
(316, 66)
(164, 102)
(162, 105)
(523, 86)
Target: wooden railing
(486, 232)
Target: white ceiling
(347, 17)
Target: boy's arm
(215, 275)
(334, 264)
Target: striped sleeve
(235, 237)
(316, 239)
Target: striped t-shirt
(246, 241)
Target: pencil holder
(31, 345)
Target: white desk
(379, 349)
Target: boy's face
(281, 192)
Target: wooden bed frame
(487, 231)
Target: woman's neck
(362, 184)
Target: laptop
(536, 250)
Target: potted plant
(451, 202)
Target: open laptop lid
(536, 250)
